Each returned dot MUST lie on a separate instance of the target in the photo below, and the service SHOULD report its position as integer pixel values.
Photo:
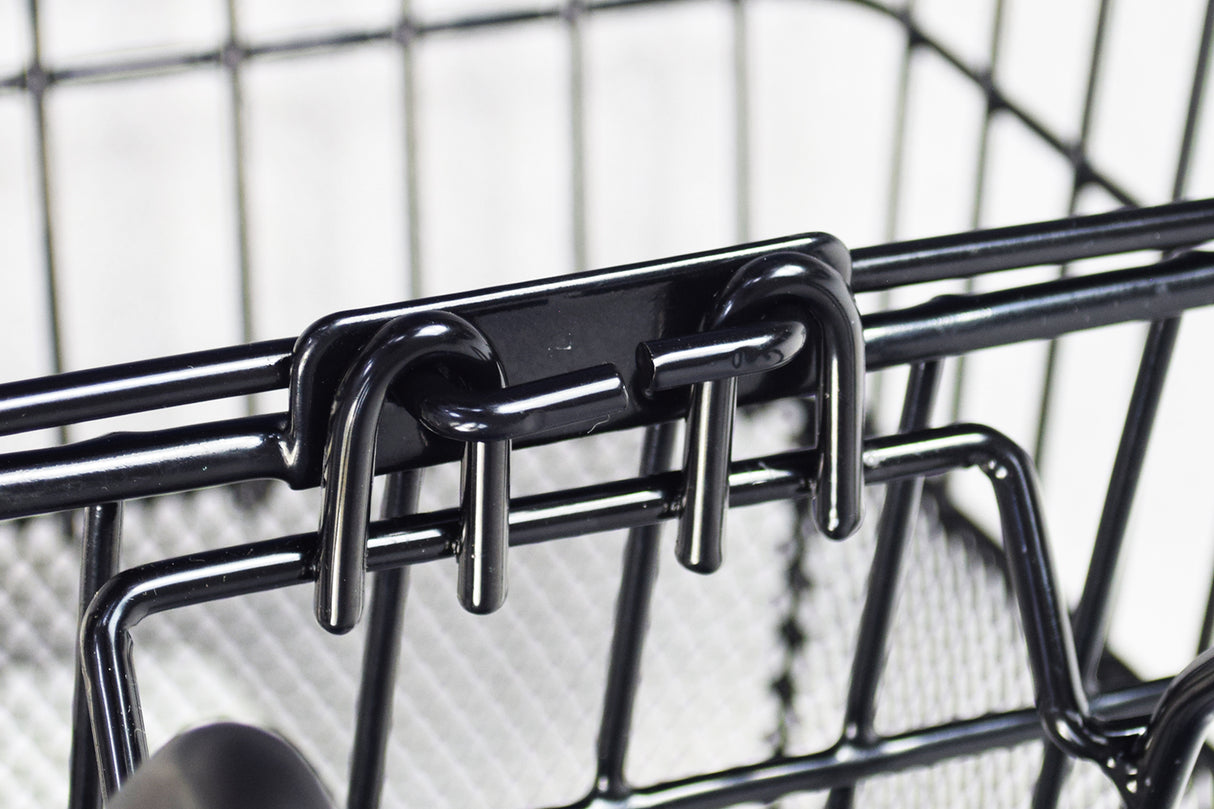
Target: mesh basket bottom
(503, 711)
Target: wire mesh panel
(180, 179)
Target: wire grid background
(182, 177)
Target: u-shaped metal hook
(822, 293)
(349, 463)
(405, 345)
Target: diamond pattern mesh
(502, 711)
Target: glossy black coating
(1092, 614)
(224, 766)
(480, 552)
(964, 255)
(381, 654)
(122, 466)
(79, 396)
(99, 561)
(956, 324)
(1092, 611)
(402, 360)
(1174, 738)
(1059, 693)
(678, 362)
(783, 283)
(128, 465)
(350, 452)
(587, 397)
(895, 527)
(707, 446)
(847, 762)
(640, 572)
(929, 259)
(115, 390)
(1061, 702)
(135, 593)
(538, 330)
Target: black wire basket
(884, 622)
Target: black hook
(820, 293)
(435, 350)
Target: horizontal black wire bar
(957, 324)
(130, 465)
(140, 464)
(964, 255)
(226, 572)
(37, 78)
(405, 30)
(135, 593)
(116, 390)
(239, 370)
(846, 764)
(540, 329)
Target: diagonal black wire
(894, 531)
(98, 563)
(893, 195)
(232, 58)
(631, 622)
(574, 13)
(1091, 175)
(791, 633)
(37, 82)
(1080, 178)
(980, 172)
(373, 717)
(1092, 615)
(741, 117)
(1203, 62)
(406, 35)
(409, 29)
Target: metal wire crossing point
(948, 653)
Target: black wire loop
(426, 361)
(778, 285)
(1148, 756)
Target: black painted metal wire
(922, 335)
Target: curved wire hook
(487, 419)
(349, 466)
(822, 293)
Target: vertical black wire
(37, 82)
(792, 634)
(373, 722)
(1207, 622)
(1080, 174)
(233, 55)
(980, 172)
(631, 622)
(1203, 64)
(405, 35)
(896, 173)
(98, 563)
(574, 12)
(1196, 99)
(1093, 613)
(898, 146)
(741, 118)
(894, 531)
